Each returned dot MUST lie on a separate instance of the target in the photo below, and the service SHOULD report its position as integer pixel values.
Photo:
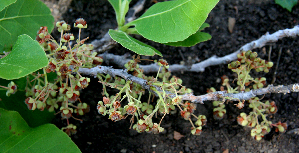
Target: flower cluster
(219, 111)
(246, 62)
(260, 129)
(201, 121)
(260, 110)
(117, 108)
(62, 94)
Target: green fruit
(253, 55)
(216, 103)
(266, 70)
(260, 85)
(244, 123)
(269, 64)
(258, 138)
(248, 53)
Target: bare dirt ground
(253, 19)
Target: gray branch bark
(214, 60)
(218, 95)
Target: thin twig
(269, 55)
(276, 67)
(214, 60)
(218, 95)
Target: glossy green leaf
(16, 136)
(287, 4)
(121, 8)
(173, 21)
(5, 3)
(132, 44)
(26, 57)
(23, 17)
(193, 39)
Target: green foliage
(173, 21)
(16, 102)
(26, 57)
(287, 4)
(17, 136)
(23, 17)
(121, 8)
(193, 39)
(6, 3)
(135, 45)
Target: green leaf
(17, 136)
(203, 26)
(5, 3)
(132, 44)
(23, 17)
(16, 102)
(287, 4)
(173, 21)
(26, 57)
(121, 8)
(193, 39)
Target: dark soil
(253, 19)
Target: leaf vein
(14, 65)
(162, 25)
(5, 13)
(195, 5)
(41, 15)
(21, 8)
(36, 140)
(18, 142)
(166, 11)
(7, 139)
(5, 29)
(21, 25)
(187, 15)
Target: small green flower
(83, 82)
(12, 88)
(146, 108)
(62, 26)
(67, 37)
(196, 131)
(80, 23)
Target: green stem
(125, 27)
(259, 112)
(132, 31)
(79, 34)
(5, 88)
(157, 105)
(61, 35)
(122, 90)
(158, 73)
(46, 78)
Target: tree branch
(214, 60)
(221, 95)
(218, 95)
